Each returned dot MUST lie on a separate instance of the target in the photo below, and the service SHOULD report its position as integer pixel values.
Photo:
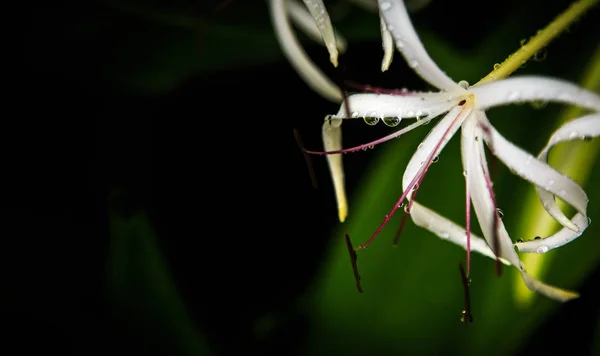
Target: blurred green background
(159, 204)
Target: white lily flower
(465, 108)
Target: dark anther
(353, 262)
(462, 102)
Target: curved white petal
(485, 210)
(408, 43)
(536, 171)
(448, 230)
(561, 295)
(403, 106)
(319, 13)
(582, 128)
(387, 43)
(436, 140)
(483, 203)
(558, 239)
(292, 49)
(532, 88)
(302, 18)
(332, 140)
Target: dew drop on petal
(542, 249)
(354, 114)
(465, 173)
(496, 66)
(573, 135)
(391, 121)
(500, 213)
(444, 235)
(514, 95)
(385, 6)
(413, 63)
(464, 84)
(435, 159)
(371, 121)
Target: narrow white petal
(532, 88)
(561, 295)
(408, 43)
(319, 13)
(558, 239)
(485, 210)
(302, 18)
(448, 230)
(332, 140)
(581, 128)
(294, 52)
(404, 106)
(536, 171)
(436, 140)
(483, 204)
(387, 43)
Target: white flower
(464, 109)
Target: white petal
(332, 140)
(319, 13)
(558, 239)
(408, 43)
(435, 140)
(292, 49)
(483, 204)
(536, 171)
(448, 230)
(532, 88)
(387, 43)
(404, 106)
(302, 18)
(583, 127)
(485, 210)
(561, 295)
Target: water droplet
(520, 241)
(401, 205)
(385, 6)
(496, 66)
(500, 213)
(420, 147)
(410, 114)
(539, 104)
(371, 147)
(364, 148)
(550, 182)
(354, 114)
(537, 238)
(573, 134)
(541, 54)
(524, 41)
(542, 249)
(416, 186)
(464, 84)
(406, 209)
(586, 138)
(589, 220)
(465, 317)
(413, 63)
(444, 235)
(371, 121)
(514, 96)
(391, 121)
(435, 159)
(465, 173)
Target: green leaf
(140, 284)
